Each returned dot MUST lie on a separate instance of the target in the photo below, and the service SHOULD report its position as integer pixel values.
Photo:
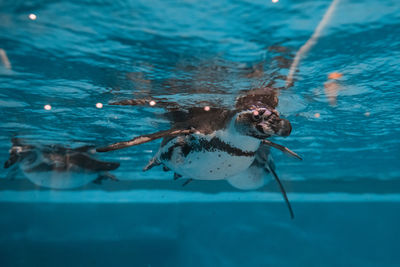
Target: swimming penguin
(211, 143)
(56, 166)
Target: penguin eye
(256, 116)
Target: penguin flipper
(144, 139)
(187, 182)
(152, 163)
(282, 148)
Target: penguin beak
(285, 128)
(276, 126)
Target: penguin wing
(88, 163)
(144, 139)
(284, 149)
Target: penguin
(214, 143)
(56, 166)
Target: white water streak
(310, 43)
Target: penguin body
(58, 167)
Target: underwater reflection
(332, 87)
(57, 166)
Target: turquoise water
(345, 192)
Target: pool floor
(199, 234)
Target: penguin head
(15, 156)
(262, 123)
(18, 152)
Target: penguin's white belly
(209, 157)
(204, 165)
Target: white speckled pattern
(211, 165)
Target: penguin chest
(205, 157)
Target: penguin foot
(187, 181)
(177, 176)
(152, 163)
(166, 169)
(105, 176)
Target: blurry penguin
(56, 166)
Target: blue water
(75, 54)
